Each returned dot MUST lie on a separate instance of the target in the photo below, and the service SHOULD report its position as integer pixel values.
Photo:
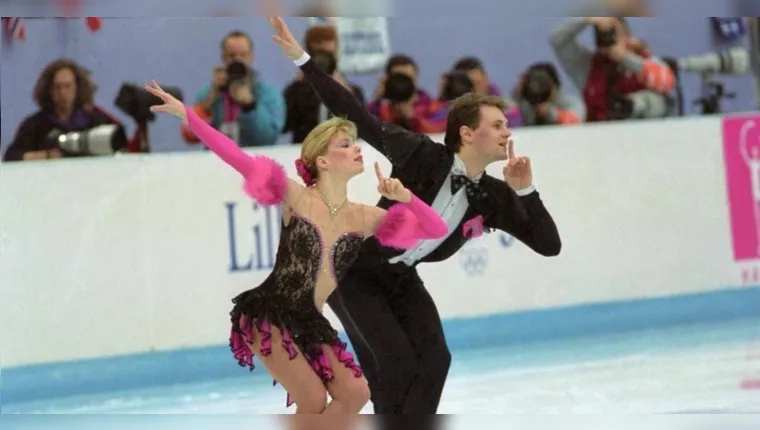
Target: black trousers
(396, 331)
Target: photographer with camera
(324, 38)
(433, 118)
(237, 102)
(64, 126)
(542, 101)
(620, 78)
(305, 109)
(477, 72)
(397, 98)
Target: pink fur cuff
(398, 229)
(267, 183)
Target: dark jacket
(303, 106)
(32, 133)
(423, 165)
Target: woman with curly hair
(62, 93)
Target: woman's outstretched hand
(171, 105)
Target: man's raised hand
(284, 38)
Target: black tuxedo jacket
(422, 165)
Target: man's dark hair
(399, 60)
(44, 85)
(456, 85)
(236, 33)
(549, 69)
(468, 64)
(465, 111)
(606, 38)
(317, 34)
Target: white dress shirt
(451, 207)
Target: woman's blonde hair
(318, 139)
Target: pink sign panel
(741, 149)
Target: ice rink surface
(689, 369)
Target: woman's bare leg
(296, 375)
(349, 393)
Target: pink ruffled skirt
(242, 337)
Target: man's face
(64, 91)
(406, 69)
(330, 46)
(622, 36)
(237, 49)
(621, 33)
(492, 134)
(479, 81)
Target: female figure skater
(281, 320)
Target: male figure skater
(390, 318)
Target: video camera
(399, 88)
(102, 140)
(539, 83)
(735, 61)
(134, 101)
(538, 87)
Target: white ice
(695, 369)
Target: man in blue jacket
(237, 102)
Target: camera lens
(399, 88)
(605, 38)
(325, 61)
(236, 71)
(538, 87)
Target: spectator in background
(397, 99)
(452, 86)
(237, 102)
(542, 100)
(304, 108)
(477, 73)
(321, 37)
(62, 92)
(620, 78)
(324, 37)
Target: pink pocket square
(473, 228)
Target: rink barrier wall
(142, 254)
(514, 330)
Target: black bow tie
(472, 189)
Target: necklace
(333, 208)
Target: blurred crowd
(618, 77)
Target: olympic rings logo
(506, 240)
(474, 261)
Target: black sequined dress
(286, 300)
